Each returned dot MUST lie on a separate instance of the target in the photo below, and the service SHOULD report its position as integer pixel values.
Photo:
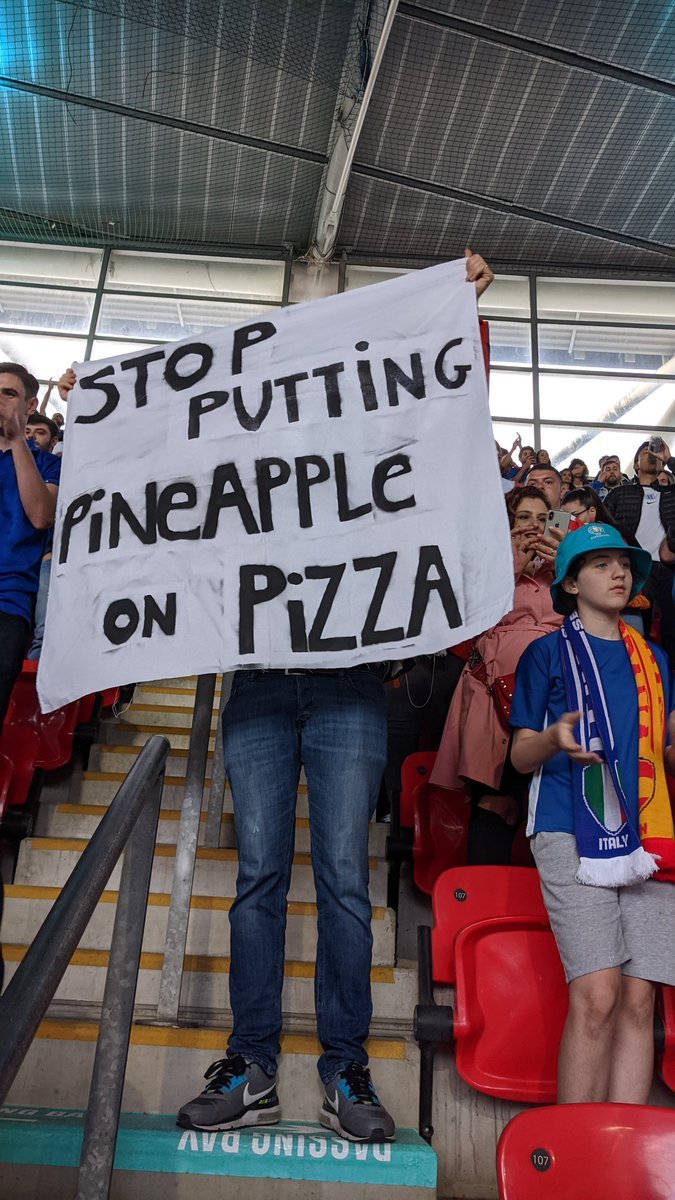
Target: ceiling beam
(155, 118)
(516, 41)
(336, 178)
(478, 200)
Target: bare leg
(633, 1055)
(588, 1037)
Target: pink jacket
(474, 743)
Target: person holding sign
(333, 723)
(591, 712)
(29, 479)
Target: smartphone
(558, 520)
(655, 444)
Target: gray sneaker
(238, 1093)
(352, 1109)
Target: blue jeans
(35, 647)
(335, 726)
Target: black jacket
(625, 505)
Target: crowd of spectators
(473, 748)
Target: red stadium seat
(465, 895)
(441, 823)
(6, 773)
(34, 742)
(20, 744)
(666, 1056)
(55, 730)
(415, 770)
(584, 1151)
(510, 1005)
(510, 1008)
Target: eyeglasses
(580, 511)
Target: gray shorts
(599, 927)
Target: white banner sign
(317, 487)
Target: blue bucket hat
(592, 538)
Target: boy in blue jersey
(29, 479)
(590, 713)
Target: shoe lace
(221, 1073)
(360, 1084)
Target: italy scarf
(612, 852)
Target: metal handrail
(168, 1004)
(131, 822)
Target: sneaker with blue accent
(351, 1107)
(239, 1093)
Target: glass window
(511, 394)
(606, 300)
(169, 319)
(103, 348)
(49, 264)
(508, 296)
(255, 279)
(505, 433)
(43, 308)
(643, 402)
(510, 342)
(46, 357)
(599, 348)
(564, 444)
(358, 277)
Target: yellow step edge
(174, 730)
(165, 814)
(206, 1039)
(206, 964)
(112, 747)
(295, 908)
(168, 850)
(139, 707)
(167, 689)
(169, 780)
(120, 776)
(188, 692)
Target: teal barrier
(290, 1150)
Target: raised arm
(37, 497)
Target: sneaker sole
(332, 1121)
(271, 1116)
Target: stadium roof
(541, 132)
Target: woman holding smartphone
(473, 753)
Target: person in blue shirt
(615, 942)
(29, 479)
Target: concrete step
(205, 985)
(165, 693)
(106, 757)
(166, 1066)
(178, 716)
(136, 731)
(49, 861)
(99, 787)
(155, 1159)
(81, 820)
(208, 930)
